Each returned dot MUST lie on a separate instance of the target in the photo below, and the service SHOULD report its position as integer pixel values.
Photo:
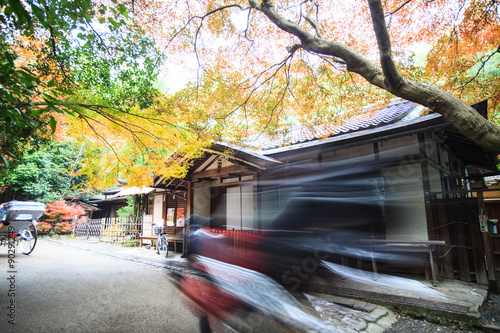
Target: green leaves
(53, 123)
(20, 120)
(15, 10)
(118, 66)
(39, 14)
(57, 56)
(44, 174)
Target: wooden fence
(119, 231)
(456, 222)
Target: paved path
(64, 287)
(71, 285)
(344, 313)
(341, 314)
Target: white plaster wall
(158, 209)
(240, 207)
(201, 201)
(247, 207)
(233, 208)
(405, 205)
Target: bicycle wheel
(27, 239)
(164, 243)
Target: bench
(151, 238)
(422, 247)
(175, 236)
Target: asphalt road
(62, 289)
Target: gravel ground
(491, 311)
(490, 314)
(405, 324)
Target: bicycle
(26, 238)
(162, 240)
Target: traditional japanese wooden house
(411, 177)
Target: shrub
(43, 227)
(59, 218)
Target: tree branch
(254, 87)
(308, 18)
(483, 63)
(394, 79)
(248, 25)
(339, 52)
(481, 131)
(400, 7)
(103, 139)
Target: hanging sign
(483, 223)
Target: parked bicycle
(162, 240)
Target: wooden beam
(219, 184)
(159, 181)
(219, 173)
(206, 164)
(405, 242)
(232, 157)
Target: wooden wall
(456, 222)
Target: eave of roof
(470, 153)
(372, 116)
(112, 190)
(416, 125)
(108, 200)
(87, 206)
(134, 191)
(247, 156)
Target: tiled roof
(369, 117)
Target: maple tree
(263, 61)
(251, 67)
(59, 216)
(84, 69)
(69, 58)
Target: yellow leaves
(244, 83)
(132, 146)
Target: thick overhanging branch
(294, 47)
(394, 79)
(340, 53)
(268, 9)
(478, 129)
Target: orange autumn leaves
(244, 81)
(59, 216)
